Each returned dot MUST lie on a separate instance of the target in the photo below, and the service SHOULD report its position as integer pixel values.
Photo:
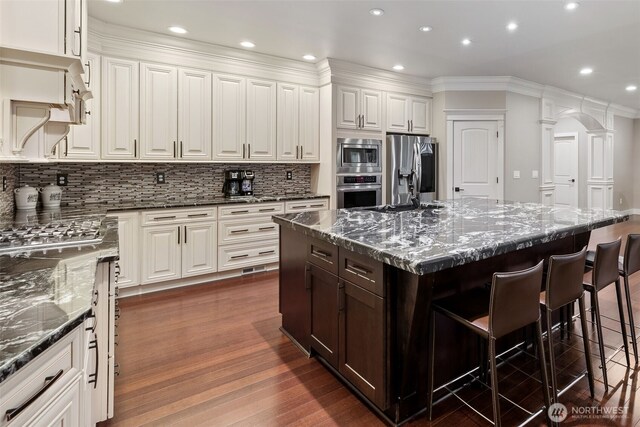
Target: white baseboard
(132, 290)
(631, 212)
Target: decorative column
(547, 122)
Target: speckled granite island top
(452, 233)
(45, 294)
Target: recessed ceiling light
(177, 30)
(631, 88)
(512, 26)
(114, 1)
(398, 67)
(425, 29)
(309, 57)
(376, 12)
(247, 43)
(572, 5)
(586, 71)
(466, 42)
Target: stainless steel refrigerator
(412, 168)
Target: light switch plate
(534, 174)
(516, 174)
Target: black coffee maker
(232, 183)
(247, 183)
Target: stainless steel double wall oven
(359, 172)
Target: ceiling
(550, 46)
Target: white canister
(26, 197)
(51, 196)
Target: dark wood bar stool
(605, 272)
(631, 265)
(565, 275)
(511, 304)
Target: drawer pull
(267, 209)
(244, 230)
(358, 269)
(239, 212)
(48, 382)
(320, 253)
(321, 205)
(298, 207)
(160, 218)
(239, 256)
(93, 345)
(197, 215)
(273, 227)
(272, 251)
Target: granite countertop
(46, 294)
(455, 233)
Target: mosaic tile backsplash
(116, 182)
(10, 172)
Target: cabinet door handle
(185, 234)
(273, 227)
(320, 253)
(244, 230)
(48, 382)
(174, 149)
(79, 33)
(249, 151)
(301, 152)
(244, 153)
(178, 234)
(93, 378)
(340, 296)
(160, 218)
(297, 151)
(66, 146)
(88, 82)
(181, 152)
(240, 256)
(135, 148)
(272, 251)
(412, 125)
(409, 125)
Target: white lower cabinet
(128, 239)
(64, 411)
(184, 247)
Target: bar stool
(630, 265)
(511, 304)
(564, 286)
(605, 272)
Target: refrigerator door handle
(417, 161)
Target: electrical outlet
(62, 179)
(289, 175)
(516, 174)
(160, 178)
(4, 183)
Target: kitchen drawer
(323, 254)
(363, 271)
(54, 370)
(250, 209)
(246, 230)
(242, 255)
(177, 216)
(306, 205)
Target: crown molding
(115, 40)
(348, 73)
(528, 88)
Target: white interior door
(565, 167)
(477, 163)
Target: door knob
(458, 189)
(572, 180)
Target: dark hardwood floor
(212, 355)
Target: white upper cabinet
(261, 120)
(194, 114)
(83, 141)
(229, 118)
(120, 109)
(359, 108)
(287, 121)
(51, 26)
(309, 124)
(158, 112)
(408, 114)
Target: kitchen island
(356, 285)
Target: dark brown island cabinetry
(346, 321)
